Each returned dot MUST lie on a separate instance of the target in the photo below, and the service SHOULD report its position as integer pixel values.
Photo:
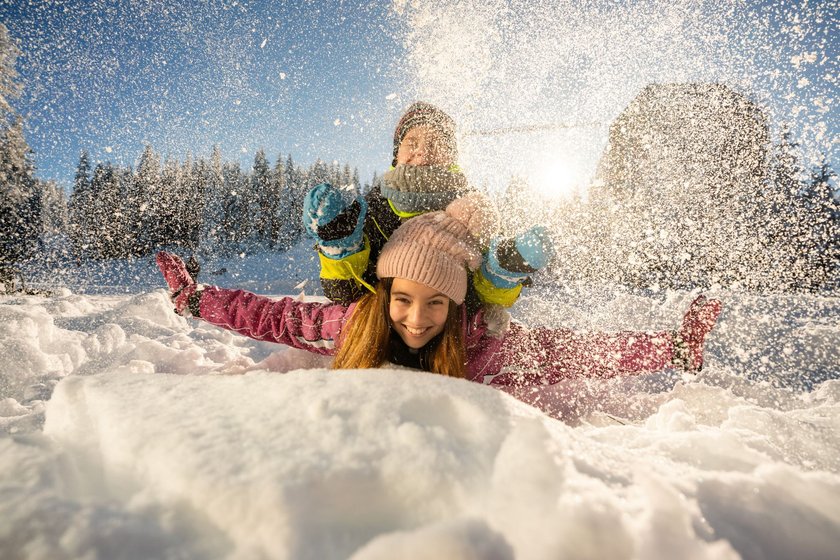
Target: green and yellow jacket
(346, 280)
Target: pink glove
(181, 284)
(700, 318)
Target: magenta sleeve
(311, 326)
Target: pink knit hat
(434, 249)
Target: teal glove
(510, 262)
(336, 226)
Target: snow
(127, 432)
(130, 432)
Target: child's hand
(700, 318)
(180, 282)
(336, 226)
(510, 261)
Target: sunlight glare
(555, 178)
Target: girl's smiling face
(418, 313)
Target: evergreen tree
(334, 174)
(192, 191)
(236, 224)
(127, 213)
(319, 173)
(79, 226)
(266, 199)
(281, 210)
(296, 191)
(169, 212)
(212, 177)
(54, 208)
(373, 182)
(20, 200)
(347, 177)
(104, 213)
(10, 88)
(148, 193)
(789, 240)
(821, 203)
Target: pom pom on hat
(478, 214)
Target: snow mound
(390, 463)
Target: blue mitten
(510, 262)
(535, 247)
(336, 226)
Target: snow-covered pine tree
(192, 190)
(319, 172)
(78, 227)
(128, 212)
(236, 222)
(104, 213)
(148, 200)
(346, 177)
(171, 210)
(281, 209)
(20, 198)
(801, 239)
(373, 181)
(10, 88)
(821, 201)
(296, 189)
(334, 173)
(212, 177)
(54, 208)
(265, 198)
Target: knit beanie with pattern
(434, 249)
(421, 113)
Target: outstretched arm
(543, 356)
(312, 326)
(309, 326)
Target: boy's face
(424, 145)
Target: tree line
(117, 211)
(209, 206)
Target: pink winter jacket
(516, 356)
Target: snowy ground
(129, 432)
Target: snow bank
(310, 464)
(170, 438)
(381, 463)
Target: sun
(554, 178)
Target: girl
(416, 318)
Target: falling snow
(662, 143)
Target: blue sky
(310, 79)
(330, 79)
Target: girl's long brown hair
(366, 338)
